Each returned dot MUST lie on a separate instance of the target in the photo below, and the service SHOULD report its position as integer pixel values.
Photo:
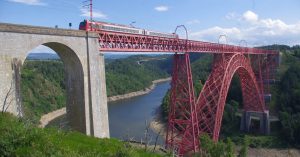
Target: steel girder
(182, 128)
(265, 67)
(125, 42)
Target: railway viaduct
(84, 70)
(189, 117)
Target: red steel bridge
(190, 117)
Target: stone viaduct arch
(84, 70)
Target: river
(128, 117)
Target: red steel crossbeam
(125, 42)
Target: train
(104, 26)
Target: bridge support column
(263, 118)
(97, 120)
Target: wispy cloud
(161, 8)
(96, 14)
(254, 30)
(29, 2)
(191, 22)
(232, 16)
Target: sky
(242, 22)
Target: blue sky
(259, 22)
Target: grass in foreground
(19, 138)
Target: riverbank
(158, 125)
(137, 93)
(46, 118)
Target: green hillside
(19, 138)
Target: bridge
(189, 117)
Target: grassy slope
(18, 138)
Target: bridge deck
(124, 42)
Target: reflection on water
(128, 118)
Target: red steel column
(182, 128)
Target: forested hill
(43, 89)
(134, 73)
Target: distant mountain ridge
(43, 56)
(54, 56)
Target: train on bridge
(104, 26)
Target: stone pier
(263, 117)
(84, 73)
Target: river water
(128, 117)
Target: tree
(289, 101)
(209, 148)
(244, 149)
(7, 99)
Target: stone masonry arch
(84, 70)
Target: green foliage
(289, 101)
(235, 91)
(216, 149)
(201, 68)
(244, 149)
(19, 138)
(165, 105)
(133, 74)
(229, 149)
(230, 121)
(42, 88)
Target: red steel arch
(211, 101)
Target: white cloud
(254, 30)
(191, 22)
(212, 34)
(161, 8)
(29, 2)
(96, 14)
(42, 49)
(250, 16)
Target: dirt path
(46, 118)
(263, 152)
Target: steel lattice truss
(182, 126)
(211, 101)
(124, 42)
(189, 118)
